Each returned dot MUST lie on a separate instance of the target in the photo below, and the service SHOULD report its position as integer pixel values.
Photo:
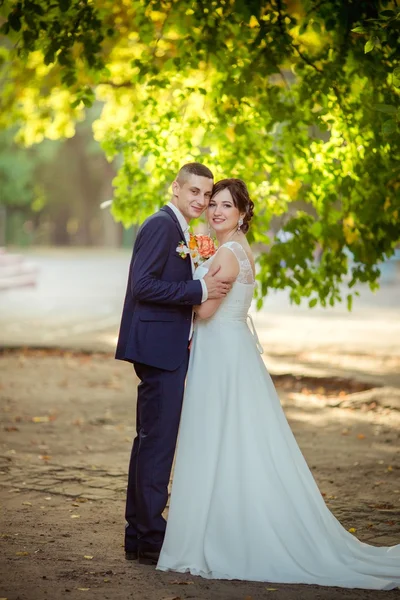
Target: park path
(67, 422)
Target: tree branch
(124, 84)
(314, 8)
(306, 60)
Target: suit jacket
(157, 311)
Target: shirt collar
(181, 219)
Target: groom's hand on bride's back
(217, 287)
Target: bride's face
(222, 214)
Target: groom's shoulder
(161, 218)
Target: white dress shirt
(185, 228)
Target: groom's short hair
(193, 168)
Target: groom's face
(192, 195)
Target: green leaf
(303, 27)
(377, 42)
(396, 77)
(313, 302)
(49, 56)
(5, 28)
(389, 127)
(37, 9)
(316, 229)
(317, 27)
(359, 29)
(15, 21)
(369, 46)
(389, 109)
(64, 5)
(349, 302)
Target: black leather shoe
(148, 557)
(131, 555)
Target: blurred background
(51, 192)
(108, 116)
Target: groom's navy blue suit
(154, 336)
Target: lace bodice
(245, 275)
(246, 272)
(237, 303)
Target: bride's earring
(240, 223)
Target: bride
(244, 504)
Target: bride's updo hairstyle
(240, 197)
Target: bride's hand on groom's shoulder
(217, 285)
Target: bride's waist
(225, 318)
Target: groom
(156, 327)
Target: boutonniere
(200, 248)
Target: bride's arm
(229, 271)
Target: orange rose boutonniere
(200, 248)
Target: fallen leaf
(27, 503)
(106, 580)
(88, 557)
(22, 554)
(360, 436)
(83, 589)
(390, 468)
(177, 582)
(272, 589)
(45, 456)
(352, 530)
(75, 516)
(44, 419)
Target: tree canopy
(299, 98)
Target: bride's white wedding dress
(244, 503)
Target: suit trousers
(159, 405)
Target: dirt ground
(67, 423)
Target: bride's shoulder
(225, 259)
(238, 249)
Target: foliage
(298, 98)
(17, 180)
